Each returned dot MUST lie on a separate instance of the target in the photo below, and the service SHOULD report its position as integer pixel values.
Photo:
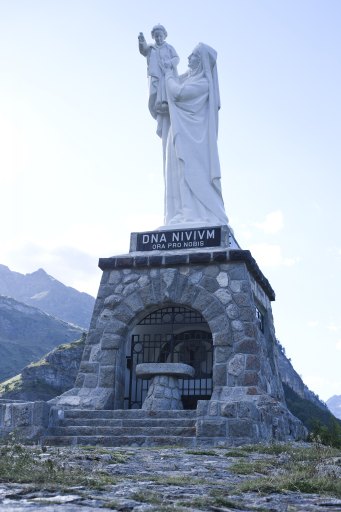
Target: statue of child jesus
(157, 54)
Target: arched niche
(170, 334)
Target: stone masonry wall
(224, 286)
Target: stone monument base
(208, 307)
(245, 416)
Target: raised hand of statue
(141, 37)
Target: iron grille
(173, 315)
(190, 345)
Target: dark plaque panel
(179, 239)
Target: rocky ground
(279, 478)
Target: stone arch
(168, 287)
(128, 294)
(170, 333)
(164, 287)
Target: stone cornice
(194, 258)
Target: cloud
(338, 345)
(270, 255)
(272, 224)
(312, 323)
(327, 386)
(315, 382)
(333, 327)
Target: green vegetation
(202, 452)
(274, 468)
(235, 453)
(28, 464)
(221, 498)
(257, 466)
(178, 480)
(146, 496)
(20, 464)
(13, 384)
(72, 344)
(297, 481)
(115, 457)
(320, 422)
(41, 362)
(17, 385)
(31, 384)
(301, 469)
(269, 449)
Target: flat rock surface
(167, 479)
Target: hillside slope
(42, 291)
(50, 376)
(26, 334)
(292, 379)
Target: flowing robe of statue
(192, 169)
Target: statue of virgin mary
(193, 194)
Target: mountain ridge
(40, 290)
(27, 333)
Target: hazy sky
(81, 165)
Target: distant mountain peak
(39, 272)
(334, 405)
(50, 295)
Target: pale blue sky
(81, 167)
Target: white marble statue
(192, 169)
(193, 194)
(157, 55)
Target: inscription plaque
(178, 239)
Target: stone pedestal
(164, 392)
(225, 285)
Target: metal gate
(172, 335)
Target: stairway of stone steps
(134, 427)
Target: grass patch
(236, 453)
(181, 481)
(221, 499)
(13, 384)
(23, 464)
(115, 457)
(169, 508)
(199, 502)
(314, 453)
(300, 472)
(205, 503)
(224, 502)
(202, 452)
(41, 362)
(296, 481)
(256, 466)
(147, 497)
(112, 505)
(269, 449)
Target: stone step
(145, 431)
(122, 422)
(127, 414)
(111, 441)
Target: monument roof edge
(175, 258)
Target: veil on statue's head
(209, 65)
